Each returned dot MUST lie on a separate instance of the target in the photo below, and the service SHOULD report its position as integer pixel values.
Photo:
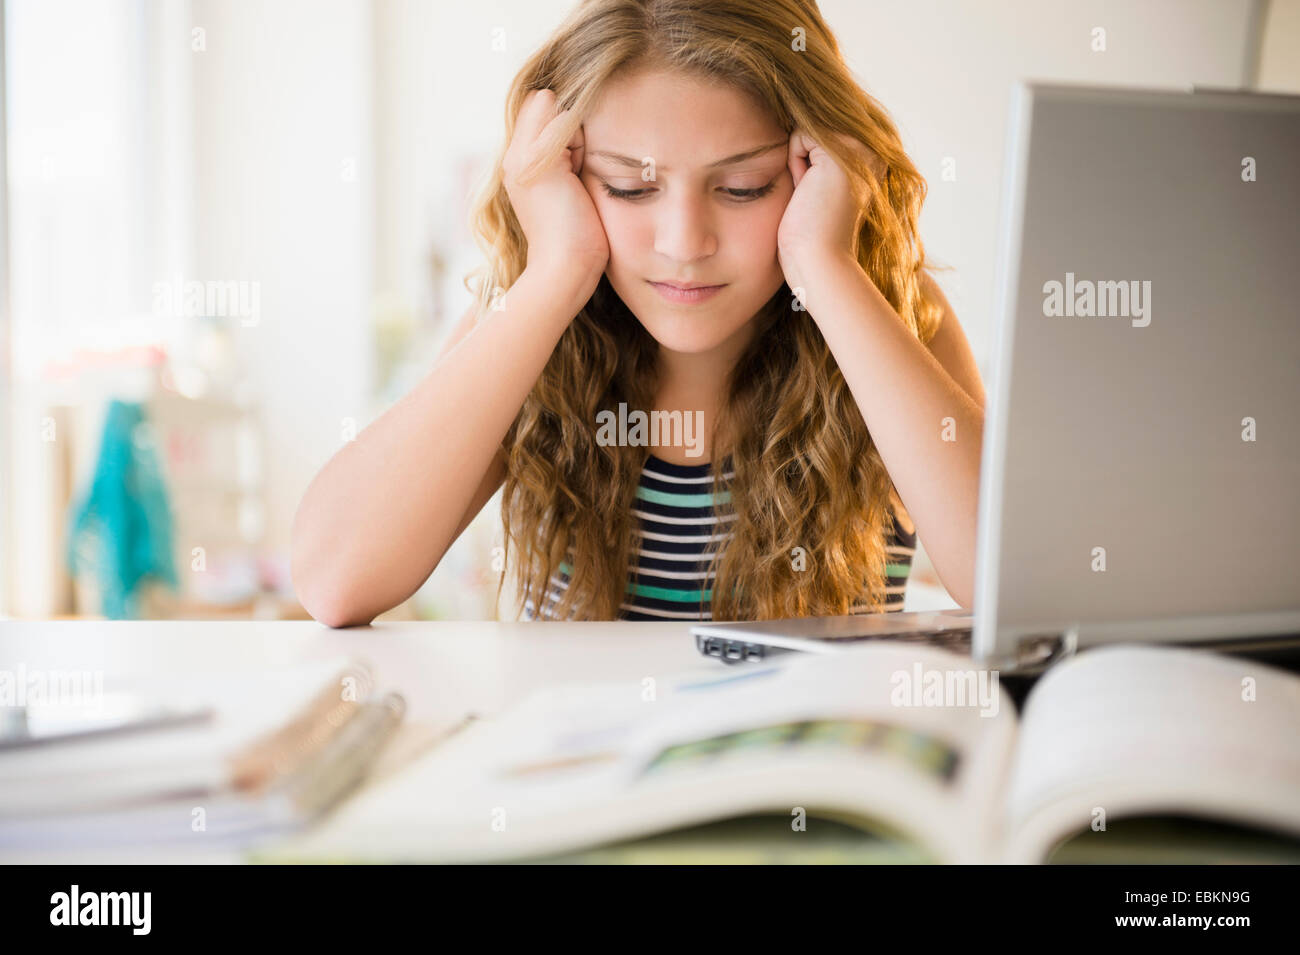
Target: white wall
(282, 100)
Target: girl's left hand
(824, 214)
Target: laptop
(1140, 477)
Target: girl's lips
(686, 296)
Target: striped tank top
(677, 525)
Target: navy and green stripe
(680, 523)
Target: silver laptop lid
(1141, 459)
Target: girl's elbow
(320, 590)
(332, 606)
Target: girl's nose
(684, 232)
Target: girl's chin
(691, 335)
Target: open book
(905, 740)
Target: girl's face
(690, 181)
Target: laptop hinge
(1036, 652)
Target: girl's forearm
(928, 430)
(379, 516)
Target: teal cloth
(122, 530)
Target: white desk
(443, 669)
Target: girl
(698, 216)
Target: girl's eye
(742, 195)
(625, 193)
(749, 194)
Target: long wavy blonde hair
(807, 474)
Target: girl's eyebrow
(729, 161)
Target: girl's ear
(799, 154)
(577, 148)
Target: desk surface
(443, 669)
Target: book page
(1136, 730)
(580, 766)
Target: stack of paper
(230, 759)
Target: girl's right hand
(565, 235)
